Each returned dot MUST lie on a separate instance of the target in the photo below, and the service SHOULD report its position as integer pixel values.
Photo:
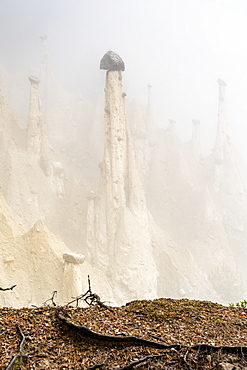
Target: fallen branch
(132, 340)
(137, 362)
(102, 337)
(11, 288)
(207, 347)
(19, 355)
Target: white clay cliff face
(189, 247)
(36, 260)
(140, 260)
(39, 263)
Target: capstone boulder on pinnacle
(112, 62)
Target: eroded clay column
(149, 112)
(221, 135)
(196, 141)
(116, 140)
(35, 121)
(119, 239)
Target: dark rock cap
(112, 62)
(34, 79)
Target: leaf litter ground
(51, 344)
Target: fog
(179, 47)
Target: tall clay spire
(44, 60)
(46, 75)
(196, 142)
(149, 112)
(37, 143)
(119, 240)
(221, 136)
(35, 122)
(117, 140)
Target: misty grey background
(180, 47)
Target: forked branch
(90, 298)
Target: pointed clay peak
(149, 104)
(221, 136)
(37, 141)
(171, 125)
(42, 236)
(112, 62)
(149, 111)
(171, 132)
(44, 53)
(222, 86)
(46, 73)
(39, 226)
(196, 144)
(35, 118)
(221, 82)
(149, 90)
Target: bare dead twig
(51, 299)
(137, 362)
(185, 359)
(89, 283)
(90, 298)
(197, 354)
(20, 354)
(11, 288)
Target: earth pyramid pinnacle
(195, 142)
(221, 144)
(118, 229)
(35, 123)
(37, 143)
